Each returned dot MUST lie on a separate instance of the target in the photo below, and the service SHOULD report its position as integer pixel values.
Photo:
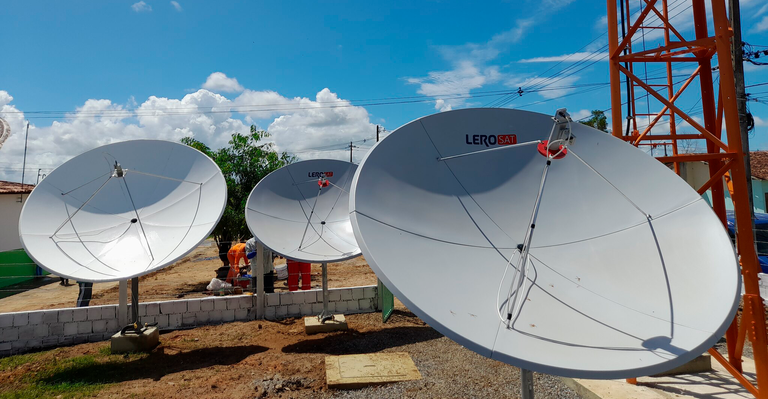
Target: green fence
(386, 302)
(16, 267)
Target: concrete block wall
(24, 331)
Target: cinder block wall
(24, 331)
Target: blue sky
(118, 70)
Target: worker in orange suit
(234, 255)
(296, 270)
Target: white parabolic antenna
(122, 210)
(624, 271)
(301, 211)
(5, 131)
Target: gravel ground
(449, 370)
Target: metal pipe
(526, 384)
(135, 300)
(326, 315)
(613, 41)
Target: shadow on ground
(155, 366)
(354, 342)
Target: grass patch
(105, 350)
(11, 362)
(53, 379)
(74, 377)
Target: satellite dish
(5, 131)
(300, 211)
(624, 271)
(122, 210)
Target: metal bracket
(563, 135)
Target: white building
(12, 197)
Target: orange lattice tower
(723, 157)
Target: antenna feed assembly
(118, 172)
(561, 136)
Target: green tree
(246, 161)
(597, 121)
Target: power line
(254, 108)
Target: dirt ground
(249, 359)
(265, 359)
(186, 278)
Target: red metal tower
(723, 156)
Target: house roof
(9, 187)
(758, 161)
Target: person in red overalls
(296, 270)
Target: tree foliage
(597, 121)
(246, 161)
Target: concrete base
(357, 371)
(313, 326)
(132, 342)
(715, 384)
(701, 364)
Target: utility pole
(350, 150)
(377, 133)
(734, 12)
(24, 164)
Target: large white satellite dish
(5, 131)
(628, 271)
(122, 210)
(301, 211)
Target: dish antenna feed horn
(556, 146)
(118, 172)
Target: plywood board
(355, 371)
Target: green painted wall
(759, 188)
(15, 263)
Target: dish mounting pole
(135, 301)
(326, 315)
(526, 384)
(722, 156)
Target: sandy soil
(186, 278)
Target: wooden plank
(357, 371)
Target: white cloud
(312, 128)
(761, 26)
(762, 10)
(141, 7)
(173, 119)
(219, 82)
(470, 61)
(458, 81)
(266, 104)
(470, 70)
(573, 57)
(550, 88)
(602, 23)
(176, 5)
(750, 67)
(319, 125)
(581, 114)
(479, 53)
